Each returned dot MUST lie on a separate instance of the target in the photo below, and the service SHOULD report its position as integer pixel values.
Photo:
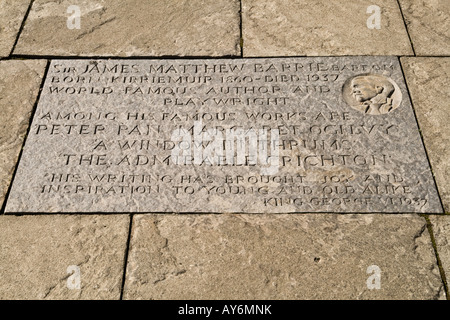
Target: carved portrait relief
(372, 94)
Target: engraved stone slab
(334, 134)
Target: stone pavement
(225, 256)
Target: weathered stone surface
(138, 136)
(441, 230)
(428, 24)
(310, 256)
(36, 252)
(322, 28)
(133, 28)
(12, 13)
(428, 82)
(19, 86)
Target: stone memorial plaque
(334, 134)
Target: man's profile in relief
(373, 94)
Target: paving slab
(12, 13)
(322, 28)
(428, 24)
(19, 86)
(441, 231)
(334, 134)
(62, 257)
(428, 82)
(132, 28)
(311, 256)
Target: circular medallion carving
(372, 94)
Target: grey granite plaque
(335, 134)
